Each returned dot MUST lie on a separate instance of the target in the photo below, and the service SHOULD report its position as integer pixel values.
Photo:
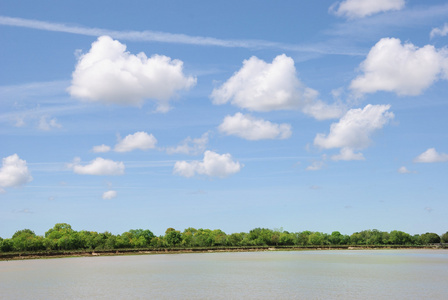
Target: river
(318, 274)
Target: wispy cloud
(441, 31)
(32, 103)
(165, 37)
(23, 211)
(46, 90)
(377, 25)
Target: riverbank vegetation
(63, 238)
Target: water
(339, 274)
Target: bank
(148, 251)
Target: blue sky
(305, 115)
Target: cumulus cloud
(190, 146)
(109, 195)
(442, 31)
(363, 8)
(353, 131)
(213, 164)
(251, 128)
(139, 140)
(14, 172)
(98, 166)
(262, 86)
(101, 149)
(110, 74)
(402, 69)
(431, 156)
(46, 125)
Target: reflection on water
(338, 274)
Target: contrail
(163, 37)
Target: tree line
(63, 237)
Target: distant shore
(91, 253)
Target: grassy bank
(147, 251)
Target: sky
(294, 115)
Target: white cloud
(20, 122)
(213, 164)
(139, 140)
(98, 166)
(109, 195)
(322, 111)
(251, 128)
(353, 131)
(48, 125)
(403, 69)
(110, 74)
(431, 156)
(404, 170)
(190, 146)
(316, 166)
(347, 154)
(14, 172)
(363, 8)
(262, 86)
(101, 149)
(443, 31)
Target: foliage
(429, 238)
(6, 245)
(444, 237)
(63, 237)
(173, 237)
(25, 240)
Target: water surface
(326, 274)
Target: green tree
(336, 238)
(88, 239)
(188, 236)
(58, 230)
(26, 240)
(429, 238)
(316, 238)
(399, 238)
(261, 237)
(110, 241)
(275, 237)
(286, 238)
(218, 237)
(145, 236)
(125, 240)
(6, 245)
(203, 238)
(235, 239)
(173, 237)
(356, 238)
(158, 242)
(303, 238)
(22, 239)
(444, 237)
(62, 237)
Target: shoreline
(149, 251)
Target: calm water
(351, 274)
